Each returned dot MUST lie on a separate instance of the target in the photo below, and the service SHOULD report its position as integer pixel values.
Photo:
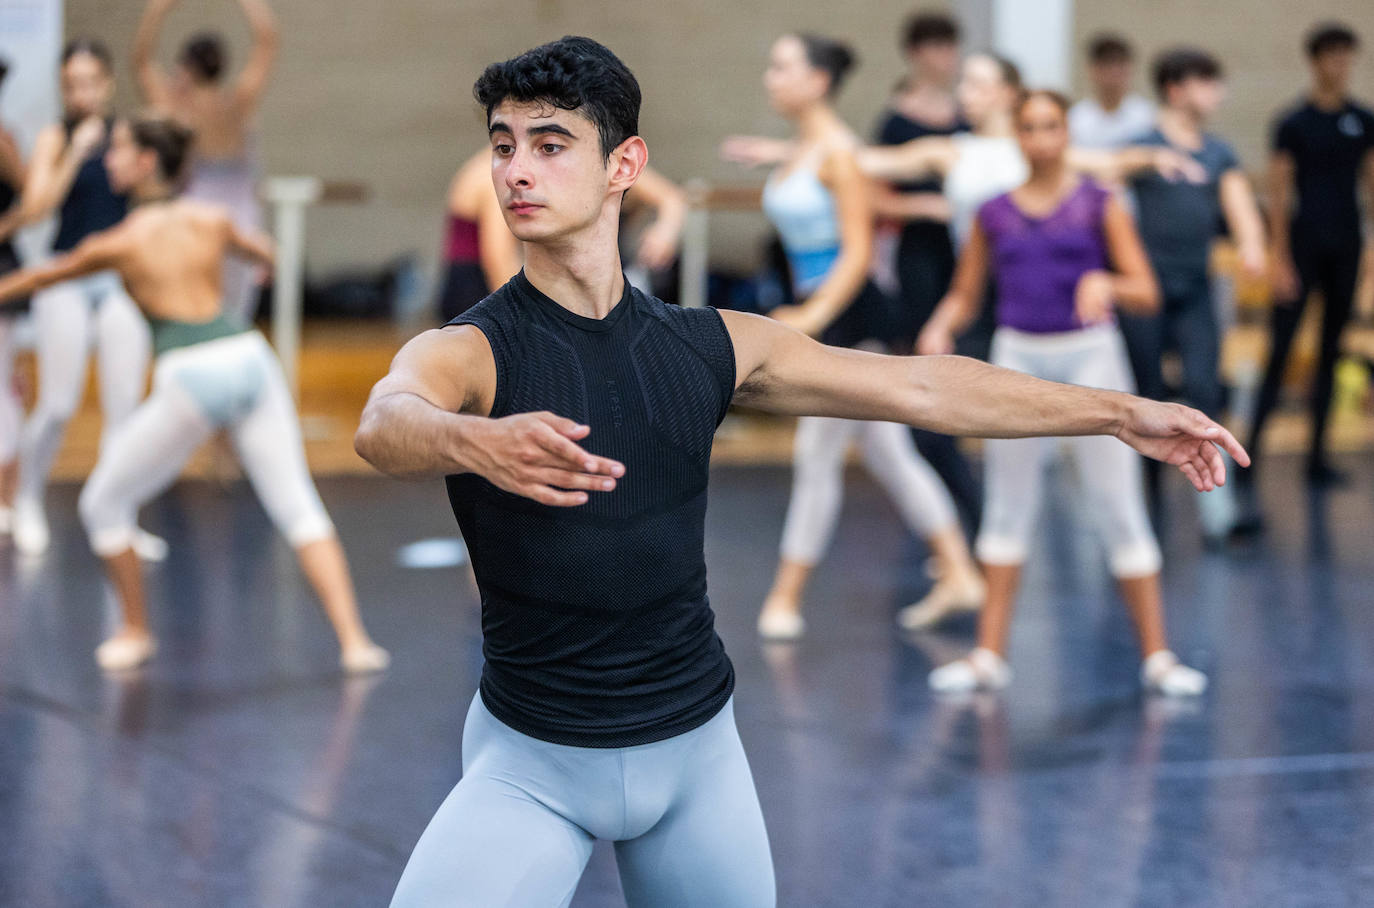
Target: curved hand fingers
(553, 497)
(566, 479)
(1213, 464)
(568, 428)
(1189, 471)
(571, 456)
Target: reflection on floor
(240, 769)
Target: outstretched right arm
(428, 418)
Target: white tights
(234, 383)
(66, 318)
(1108, 470)
(818, 481)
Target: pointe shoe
(31, 535)
(981, 669)
(149, 547)
(1163, 674)
(776, 624)
(364, 659)
(944, 600)
(124, 652)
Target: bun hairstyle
(832, 57)
(204, 56)
(91, 46)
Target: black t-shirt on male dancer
(597, 629)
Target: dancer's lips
(521, 206)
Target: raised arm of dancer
(428, 418)
(95, 253)
(1279, 180)
(889, 203)
(1130, 285)
(52, 169)
(1118, 166)
(266, 38)
(782, 371)
(932, 156)
(964, 299)
(1242, 215)
(658, 246)
(757, 151)
(850, 188)
(152, 80)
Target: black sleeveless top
(91, 205)
(596, 627)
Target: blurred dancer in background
(225, 169)
(1065, 254)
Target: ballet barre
(289, 198)
(702, 199)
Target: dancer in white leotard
(225, 169)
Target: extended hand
(536, 455)
(1093, 296)
(87, 136)
(1174, 166)
(755, 151)
(1183, 437)
(935, 341)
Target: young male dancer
(211, 373)
(1179, 220)
(573, 418)
(1324, 149)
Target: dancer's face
(1332, 68)
(937, 61)
(549, 172)
(1197, 96)
(1111, 78)
(87, 86)
(1043, 131)
(792, 83)
(127, 163)
(982, 90)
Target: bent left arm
(97, 252)
(251, 245)
(782, 371)
(658, 247)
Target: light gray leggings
(518, 829)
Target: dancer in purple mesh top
(1065, 253)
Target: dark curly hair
(204, 56)
(169, 139)
(571, 73)
(1330, 36)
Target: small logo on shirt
(613, 397)
(1351, 125)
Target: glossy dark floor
(241, 769)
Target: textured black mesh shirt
(597, 631)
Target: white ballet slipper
(1163, 674)
(149, 547)
(31, 536)
(776, 624)
(125, 652)
(365, 659)
(981, 669)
